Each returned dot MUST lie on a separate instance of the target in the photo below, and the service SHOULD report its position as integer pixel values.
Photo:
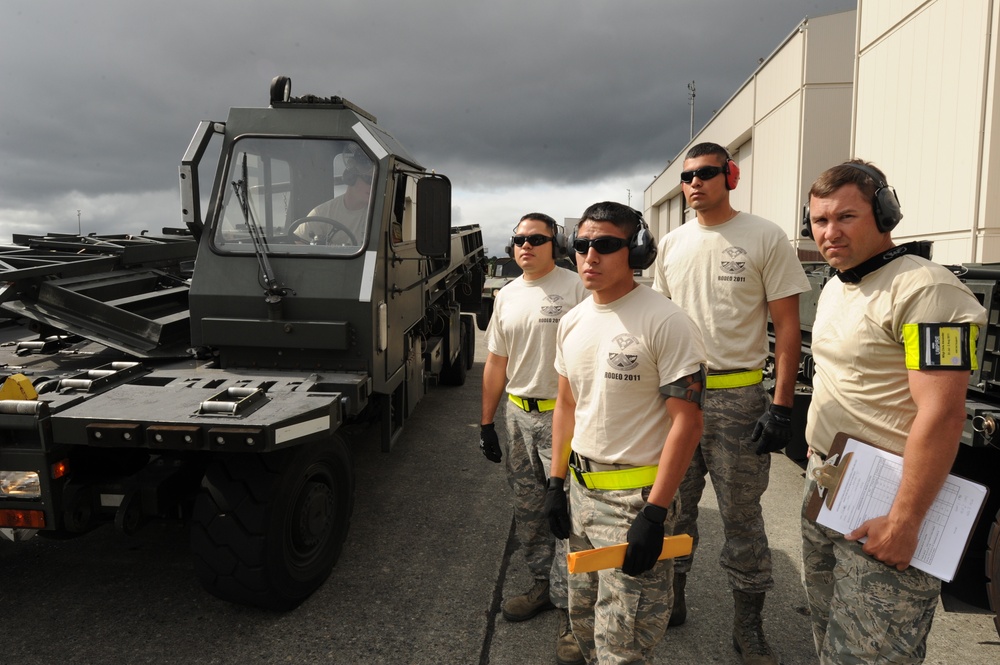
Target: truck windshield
(306, 197)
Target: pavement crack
(494, 611)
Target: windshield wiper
(273, 291)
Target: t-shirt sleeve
(682, 348)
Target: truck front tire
(268, 528)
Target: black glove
(489, 443)
(645, 540)
(556, 508)
(773, 429)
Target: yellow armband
(940, 345)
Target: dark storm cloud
(102, 98)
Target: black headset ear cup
(510, 248)
(885, 204)
(641, 248)
(732, 174)
(559, 246)
(807, 229)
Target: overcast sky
(545, 105)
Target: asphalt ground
(427, 561)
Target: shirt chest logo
(552, 305)
(626, 357)
(734, 260)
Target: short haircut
(541, 217)
(703, 149)
(836, 177)
(622, 216)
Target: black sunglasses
(704, 173)
(534, 241)
(602, 245)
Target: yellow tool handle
(587, 561)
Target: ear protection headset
(559, 246)
(885, 203)
(732, 171)
(641, 246)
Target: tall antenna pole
(691, 104)
(79, 227)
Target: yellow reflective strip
(973, 339)
(734, 380)
(911, 345)
(520, 402)
(620, 479)
(543, 404)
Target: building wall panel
(879, 16)
(776, 166)
(829, 56)
(781, 78)
(826, 131)
(919, 108)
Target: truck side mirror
(433, 216)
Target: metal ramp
(125, 292)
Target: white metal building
(923, 109)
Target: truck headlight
(23, 484)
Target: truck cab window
(305, 197)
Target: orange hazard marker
(587, 561)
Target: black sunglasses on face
(704, 173)
(602, 245)
(534, 241)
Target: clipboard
(947, 528)
(829, 475)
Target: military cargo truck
(207, 375)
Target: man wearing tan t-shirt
(521, 339)
(729, 270)
(631, 370)
(894, 342)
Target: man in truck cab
(349, 210)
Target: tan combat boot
(528, 604)
(748, 633)
(567, 650)
(679, 614)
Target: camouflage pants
(739, 477)
(616, 618)
(863, 611)
(528, 456)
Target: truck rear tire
(267, 529)
(993, 571)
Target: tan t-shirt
(523, 329)
(861, 386)
(723, 276)
(616, 357)
(322, 233)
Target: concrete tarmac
(428, 559)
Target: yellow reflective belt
(542, 404)
(735, 379)
(619, 479)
